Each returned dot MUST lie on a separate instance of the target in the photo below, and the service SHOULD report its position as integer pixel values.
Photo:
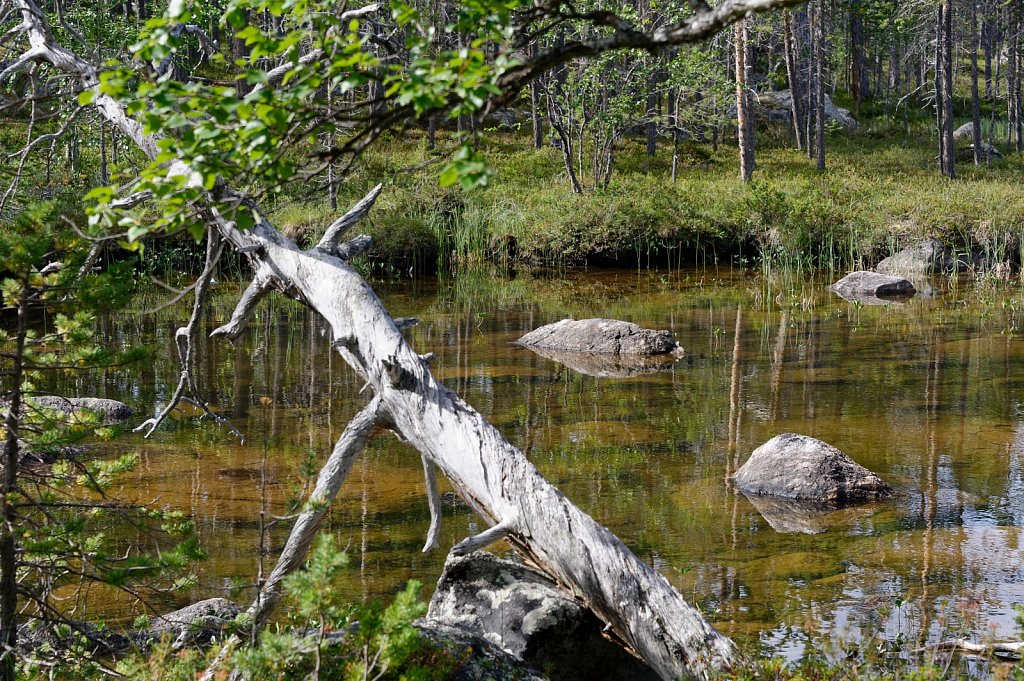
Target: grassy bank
(880, 191)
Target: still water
(926, 394)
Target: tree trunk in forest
(494, 478)
(744, 119)
(938, 89)
(1012, 71)
(986, 41)
(858, 76)
(940, 85)
(1018, 91)
(793, 74)
(104, 170)
(652, 115)
(674, 123)
(948, 146)
(538, 130)
(819, 84)
(975, 96)
(8, 512)
(811, 108)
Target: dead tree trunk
(495, 478)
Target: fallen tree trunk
(495, 478)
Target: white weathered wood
(434, 503)
(1012, 649)
(493, 477)
(332, 237)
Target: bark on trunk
(793, 74)
(944, 89)
(858, 76)
(819, 84)
(494, 477)
(538, 130)
(744, 125)
(9, 520)
(975, 95)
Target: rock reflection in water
(805, 517)
(603, 365)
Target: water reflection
(926, 394)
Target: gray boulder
(112, 411)
(986, 150)
(778, 106)
(527, 615)
(473, 658)
(795, 466)
(602, 336)
(929, 255)
(964, 132)
(195, 624)
(872, 285)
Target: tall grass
(881, 191)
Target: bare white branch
(332, 237)
(434, 503)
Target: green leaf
(449, 175)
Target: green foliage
(69, 534)
(328, 637)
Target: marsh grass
(881, 190)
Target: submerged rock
(800, 467)
(610, 366)
(112, 411)
(930, 255)
(601, 336)
(870, 286)
(527, 615)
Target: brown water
(927, 394)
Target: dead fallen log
(1009, 649)
(638, 605)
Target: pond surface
(926, 394)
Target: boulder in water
(795, 466)
(602, 336)
(863, 284)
